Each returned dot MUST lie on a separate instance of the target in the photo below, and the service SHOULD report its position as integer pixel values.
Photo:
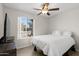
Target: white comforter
(52, 45)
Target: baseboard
(19, 47)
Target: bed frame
(72, 49)
(65, 54)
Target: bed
(53, 44)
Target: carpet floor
(29, 51)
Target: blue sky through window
(23, 20)
(29, 22)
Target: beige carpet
(29, 51)
(72, 53)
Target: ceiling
(28, 7)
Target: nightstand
(8, 48)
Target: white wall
(40, 23)
(67, 21)
(1, 20)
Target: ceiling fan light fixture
(44, 12)
(45, 9)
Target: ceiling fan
(45, 10)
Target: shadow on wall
(8, 27)
(75, 36)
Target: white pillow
(56, 33)
(67, 34)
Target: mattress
(52, 45)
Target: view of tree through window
(24, 27)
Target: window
(24, 27)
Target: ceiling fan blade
(53, 9)
(39, 13)
(48, 13)
(36, 9)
